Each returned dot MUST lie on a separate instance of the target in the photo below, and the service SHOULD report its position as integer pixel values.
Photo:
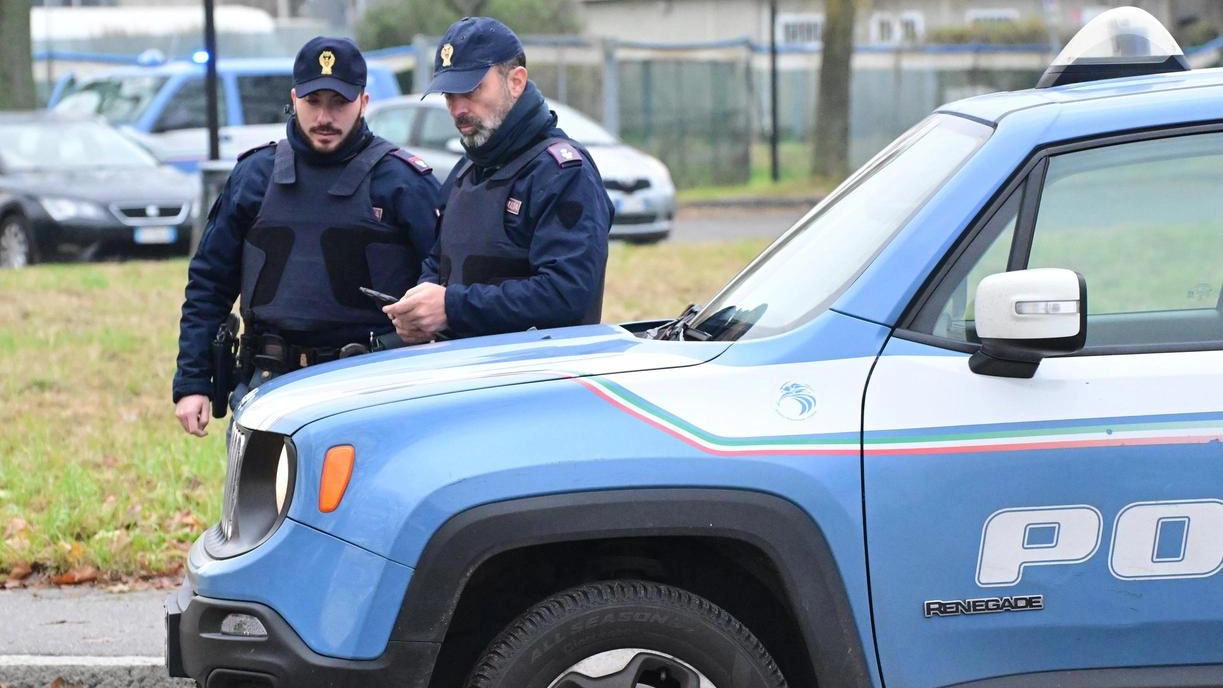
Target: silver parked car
(638, 184)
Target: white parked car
(638, 184)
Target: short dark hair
(519, 60)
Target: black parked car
(79, 186)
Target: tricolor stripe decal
(1087, 433)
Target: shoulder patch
(256, 149)
(565, 154)
(414, 161)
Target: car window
(955, 297)
(264, 97)
(437, 128)
(1141, 221)
(52, 145)
(800, 275)
(187, 107)
(120, 99)
(394, 124)
(581, 128)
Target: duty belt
(271, 353)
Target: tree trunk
(832, 110)
(468, 8)
(16, 63)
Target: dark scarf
(356, 142)
(523, 125)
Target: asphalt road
(84, 636)
(714, 223)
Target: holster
(224, 365)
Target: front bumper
(196, 648)
(113, 237)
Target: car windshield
(58, 144)
(120, 99)
(581, 128)
(799, 275)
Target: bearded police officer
(301, 225)
(523, 235)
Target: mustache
(468, 121)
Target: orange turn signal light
(337, 469)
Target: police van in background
(164, 105)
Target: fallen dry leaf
(21, 570)
(84, 574)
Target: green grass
(95, 471)
(794, 172)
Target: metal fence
(703, 108)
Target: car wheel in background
(17, 248)
(626, 634)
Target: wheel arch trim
(777, 527)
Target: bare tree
(832, 111)
(16, 62)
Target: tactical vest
(318, 238)
(473, 244)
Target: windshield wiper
(681, 328)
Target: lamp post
(210, 82)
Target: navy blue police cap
(329, 64)
(470, 47)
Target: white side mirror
(1025, 315)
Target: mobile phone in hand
(378, 297)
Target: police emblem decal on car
(797, 401)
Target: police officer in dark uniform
(523, 235)
(301, 225)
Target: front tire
(17, 248)
(626, 634)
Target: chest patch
(513, 206)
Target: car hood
(287, 403)
(106, 184)
(620, 163)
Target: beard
(352, 133)
(485, 128)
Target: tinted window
(120, 99)
(437, 128)
(798, 277)
(187, 107)
(394, 124)
(1141, 221)
(63, 145)
(264, 98)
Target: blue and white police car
(961, 425)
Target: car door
(1072, 521)
(394, 124)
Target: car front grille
(146, 214)
(626, 185)
(635, 218)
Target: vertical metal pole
(773, 133)
(611, 88)
(210, 83)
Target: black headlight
(258, 491)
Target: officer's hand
(194, 411)
(421, 312)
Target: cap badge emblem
(447, 53)
(326, 60)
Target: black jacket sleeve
(565, 225)
(215, 272)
